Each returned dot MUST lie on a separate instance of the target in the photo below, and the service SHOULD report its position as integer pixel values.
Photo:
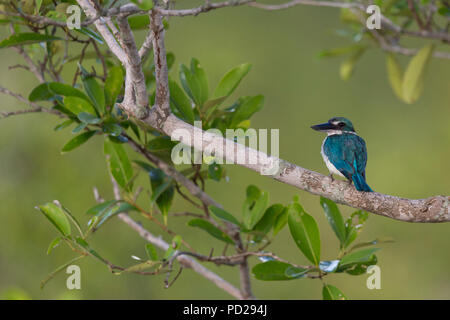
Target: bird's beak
(323, 127)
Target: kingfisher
(344, 152)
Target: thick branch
(134, 70)
(433, 209)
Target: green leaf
(181, 102)
(95, 93)
(41, 93)
(353, 228)
(231, 80)
(444, 11)
(38, 6)
(53, 244)
(193, 84)
(175, 245)
(276, 271)
(90, 33)
(280, 221)
(101, 207)
(88, 248)
(330, 292)
(334, 218)
(213, 102)
(77, 141)
(268, 220)
(63, 125)
(340, 51)
(119, 164)
(113, 85)
(151, 252)
(215, 171)
(360, 256)
(224, 215)
(139, 22)
(162, 143)
(78, 105)
(305, 232)
(211, 229)
(79, 128)
(246, 109)
(372, 243)
(119, 208)
(66, 90)
(57, 217)
(348, 66)
(59, 269)
(139, 267)
(414, 74)
(162, 191)
(202, 80)
(254, 206)
(144, 4)
(88, 118)
(20, 39)
(72, 219)
(395, 75)
(144, 165)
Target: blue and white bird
(344, 152)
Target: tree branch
(186, 261)
(433, 209)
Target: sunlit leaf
(57, 217)
(78, 105)
(414, 74)
(395, 75)
(151, 252)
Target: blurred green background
(409, 148)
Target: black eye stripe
(341, 124)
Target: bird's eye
(341, 124)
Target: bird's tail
(360, 183)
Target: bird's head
(336, 125)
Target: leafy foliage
(91, 106)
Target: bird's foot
(331, 177)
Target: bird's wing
(335, 148)
(359, 155)
(347, 152)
